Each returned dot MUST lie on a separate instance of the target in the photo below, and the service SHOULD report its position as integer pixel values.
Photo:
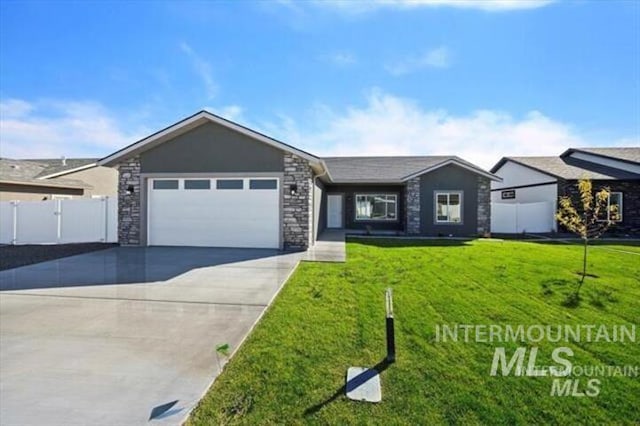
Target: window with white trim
(448, 207)
(376, 207)
(614, 208)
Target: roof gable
(456, 161)
(190, 123)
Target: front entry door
(334, 211)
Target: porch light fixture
(130, 190)
(293, 189)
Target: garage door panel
(214, 217)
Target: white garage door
(229, 212)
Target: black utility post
(391, 337)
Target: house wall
(412, 206)
(297, 210)
(530, 186)
(104, 180)
(130, 205)
(532, 194)
(10, 192)
(484, 205)
(449, 178)
(513, 175)
(319, 208)
(349, 198)
(212, 148)
(630, 189)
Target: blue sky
(478, 79)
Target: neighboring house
(206, 181)
(45, 179)
(531, 180)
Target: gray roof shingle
(30, 171)
(625, 153)
(557, 166)
(54, 165)
(384, 169)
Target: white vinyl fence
(522, 217)
(59, 221)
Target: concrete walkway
(330, 247)
(101, 338)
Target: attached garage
(214, 212)
(206, 181)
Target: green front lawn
(331, 316)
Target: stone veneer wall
(412, 206)
(297, 221)
(129, 204)
(484, 205)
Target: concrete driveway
(102, 338)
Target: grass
(331, 316)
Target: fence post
(105, 200)
(14, 239)
(58, 214)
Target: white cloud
(439, 57)
(14, 108)
(230, 112)
(52, 128)
(203, 69)
(390, 125)
(340, 59)
(356, 7)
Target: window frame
(376, 194)
(608, 219)
(448, 193)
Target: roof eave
(46, 184)
(570, 151)
(66, 172)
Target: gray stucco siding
(319, 208)
(349, 208)
(449, 178)
(212, 148)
